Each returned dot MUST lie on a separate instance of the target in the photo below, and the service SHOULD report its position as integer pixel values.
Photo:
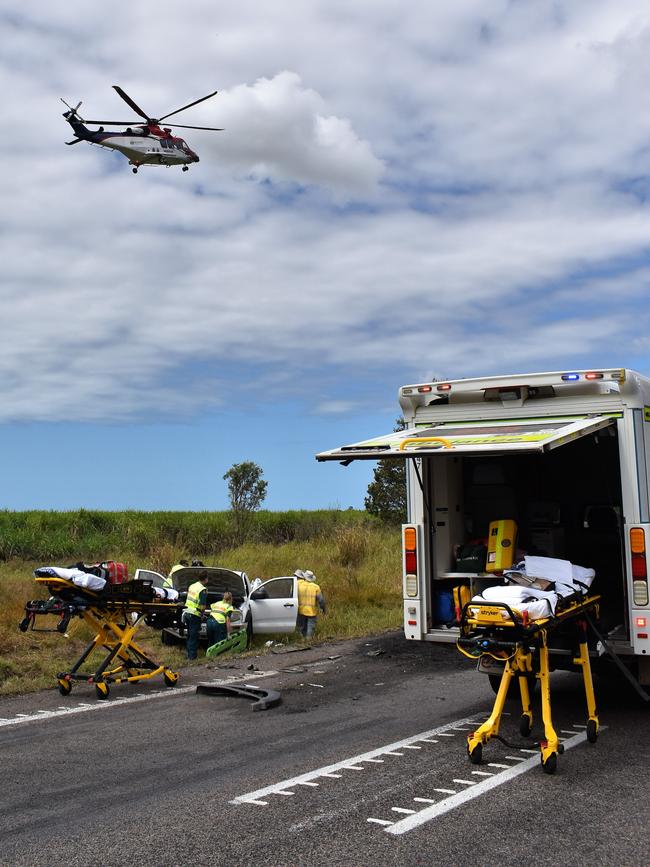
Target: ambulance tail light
(639, 567)
(410, 542)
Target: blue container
(443, 607)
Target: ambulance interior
(566, 502)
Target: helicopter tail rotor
(74, 112)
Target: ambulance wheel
(525, 726)
(24, 624)
(65, 687)
(592, 731)
(102, 690)
(170, 678)
(476, 754)
(135, 170)
(550, 765)
(185, 168)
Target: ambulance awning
(475, 437)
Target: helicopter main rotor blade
(189, 105)
(127, 99)
(184, 126)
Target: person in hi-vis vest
(310, 599)
(195, 605)
(219, 619)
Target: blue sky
(399, 193)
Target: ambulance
(551, 464)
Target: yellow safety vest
(220, 611)
(307, 593)
(193, 594)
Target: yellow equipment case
(502, 538)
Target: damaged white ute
(261, 607)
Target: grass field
(358, 566)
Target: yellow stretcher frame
(503, 633)
(115, 627)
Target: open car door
(274, 605)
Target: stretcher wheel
(525, 725)
(102, 690)
(65, 687)
(550, 765)
(476, 754)
(592, 731)
(170, 678)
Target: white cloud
(277, 129)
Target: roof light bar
(444, 387)
(570, 377)
(593, 375)
(424, 389)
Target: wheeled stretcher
(505, 634)
(115, 613)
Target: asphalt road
(374, 729)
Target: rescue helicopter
(141, 143)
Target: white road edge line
(407, 824)
(40, 715)
(330, 770)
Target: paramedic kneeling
(310, 599)
(195, 605)
(219, 619)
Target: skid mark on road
(62, 710)
(354, 762)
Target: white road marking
(497, 765)
(354, 768)
(307, 783)
(376, 821)
(264, 803)
(429, 740)
(62, 710)
(330, 770)
(447, 734)
(427, 814)
(532, 752)
(446, 791)
(376, 761)
(412, 747)
(394, 754)
(425, 800)
(568, 732)
(403, 810)
(334, 777)
(516, 758)
(284, 792)
(465, 782)
(484, 773)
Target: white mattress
(538, 603)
